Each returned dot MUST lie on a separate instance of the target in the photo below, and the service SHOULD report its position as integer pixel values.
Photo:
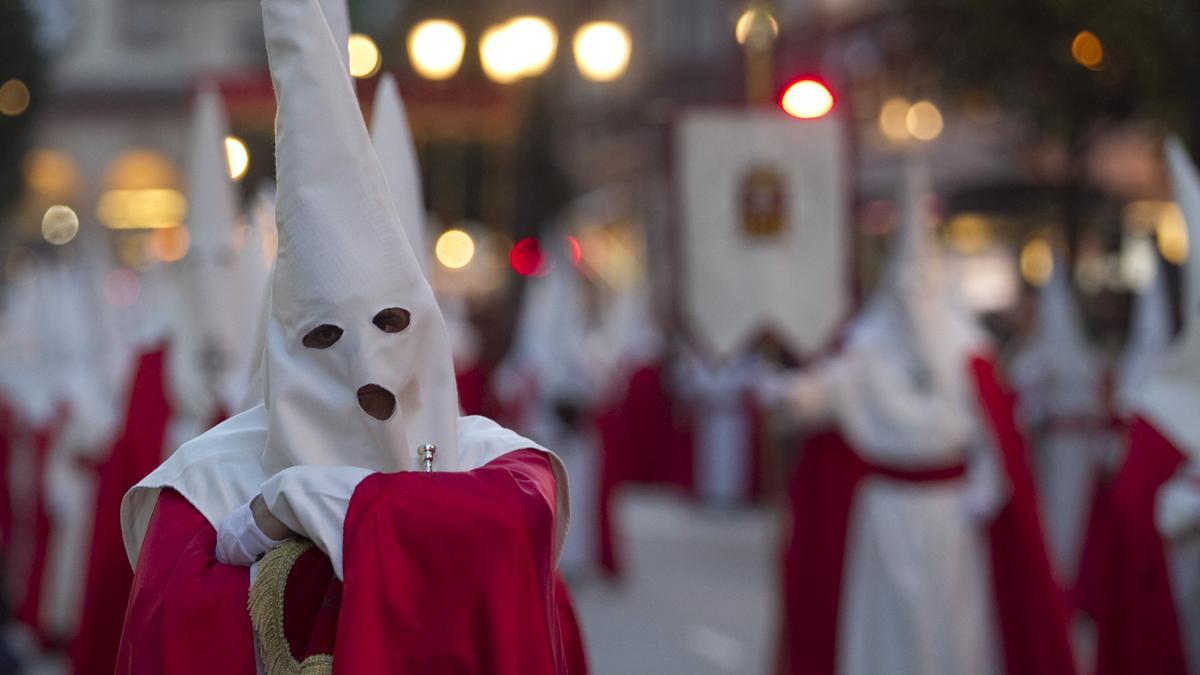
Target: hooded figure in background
(1150, 334)
(1149, 619)
(33, 380)
(90, 359)
(433, 537)
(393, 143)
(554, 382)
(914, 544)
(190, 380)
(1059, 379)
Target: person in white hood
(901, 509)
(1060, 383)
(1149, 618)
(428, 522)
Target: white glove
(239, 539)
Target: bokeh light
(537, 40)
(145, 209)
(526, 257)
(756, 27)
(969, 233)
(807, 99)
(168, 244)
(435, 48)
(1172, 235)
(893, 119)
(51, 175)
(500, 56)
(14, 97)
(365, 58)
(60, 224)
(238, 157)
(1037, 261)
(923, 121)
(602, 50)
(575, 250)
(1087, 50)
(454, 249)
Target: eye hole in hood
(393, 320)
(322, 337)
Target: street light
(435, 48)
(602, 50)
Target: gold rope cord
(266, 614)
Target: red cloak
(1138, 626)
(137, 451)
(1031, 610)
(444, 573)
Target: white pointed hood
(343, 261)
(1171, 396)
(1149, 335)
(394, 145)
(903, 373)
(343, 258)
(211, 339)
(393, 141)
(1057, 372)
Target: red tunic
(1032, 612)
(137, 451)
(1138, 627)
(444, 573)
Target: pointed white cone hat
(902, 384)
(1149, 336)
(394, 145)
(1057, 369)
(1171, 395)
(353, 321)
(212, 315)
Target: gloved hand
(240, 540)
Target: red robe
(137, 451)
(474, 392)
(642, 441)
(1138, 626)
(444, 573)
(1032, 612)
(30, 567)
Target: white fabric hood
(1057, 369)
(1149, 335)
(1171, 395)
(218, 286)
(904, 381)
(343, 259)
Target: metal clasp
(426, 453)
